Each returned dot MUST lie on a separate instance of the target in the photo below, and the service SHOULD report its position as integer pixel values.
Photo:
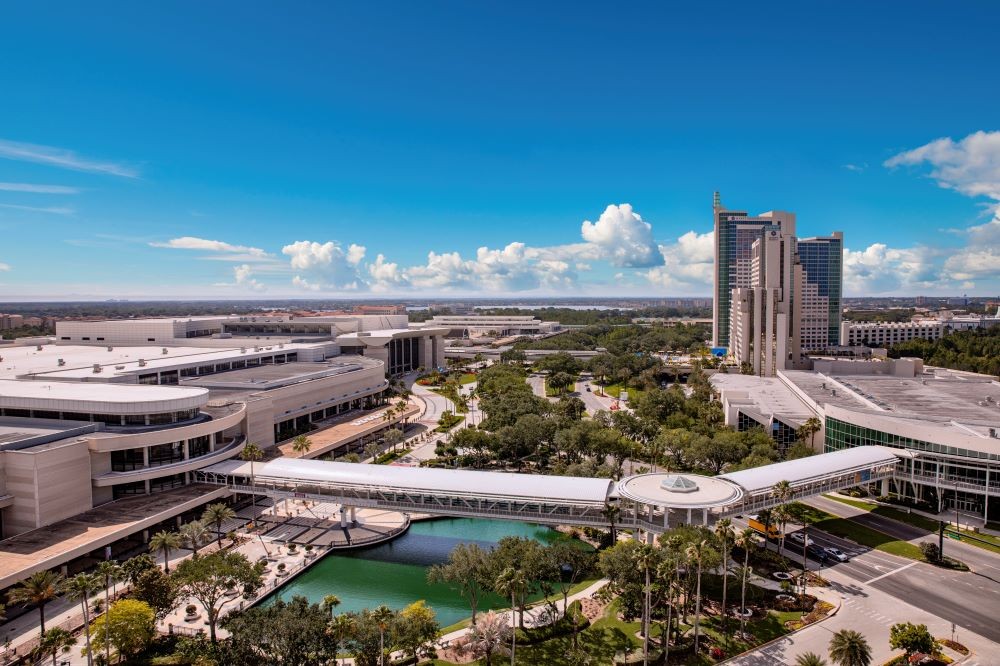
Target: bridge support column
(343, 516)
(649, 538)
(651, 508)
(689, 517)
(354, 515)
(704, 516)
(666, 517)
(885, 487)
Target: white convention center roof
(559, 489)
(804, 470)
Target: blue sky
(250, 149)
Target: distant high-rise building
(765, 317)
(735, 233)
(822, 260)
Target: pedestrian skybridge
(650, 502)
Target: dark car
(816, 552)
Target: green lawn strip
(614, 390)
(858, 533)
(918, 521)
(466, 378)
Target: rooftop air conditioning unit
(243, 350)
(119, 367)
(142, 363)
(164, 351)
(110, 348)
(97, 368)
(38, 348)
(61, 362)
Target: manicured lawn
(614, 390)
(861, 534)
(466, 378)
(916, 520)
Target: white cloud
(857, 168)
(325, 265)
(52, 210)
(63, 158)
(38, 189)
(970, 166)
(622, 237)
(881, 269)
(355, 253)
(244, 278)
(239, 252)
(385, 274)
(687, 264)
(4, 267)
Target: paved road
(958, 597)
(591, 400)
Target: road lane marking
(894, 571)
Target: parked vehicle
(816, 552)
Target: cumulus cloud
(355, 253)
(63, 158)
(194, 243)
(324, 265)
(687, 265)
(622, 237)
(385, 275)
(244, 278)
(34, 188)
(4, 267)
(881, 269)
(970, 166)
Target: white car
(800, 539)
(837, 554)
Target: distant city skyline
(447, 150)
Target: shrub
(930, 551)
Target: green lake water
(395, 573)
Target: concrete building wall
(48, 484)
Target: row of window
(163, 418)
(842, 435)
(128, 460)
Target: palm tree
(809, 429)
(38, 589)
(696, 553)
(612, 512)
(510, 583)
(164, 542)
(301, 445)
(340, 628)
(646, 558)
(330, 602)
(487, 636)
(80, 587)
(252, 453)
(781, 515)
(194, 534)
(382, 616)
(849, 648)
(746, 540)
(810, 659)
(217, 514)
(109, 572)
(54, 642)
(725, 533)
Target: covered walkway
(649, 502)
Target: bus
(758, 526)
